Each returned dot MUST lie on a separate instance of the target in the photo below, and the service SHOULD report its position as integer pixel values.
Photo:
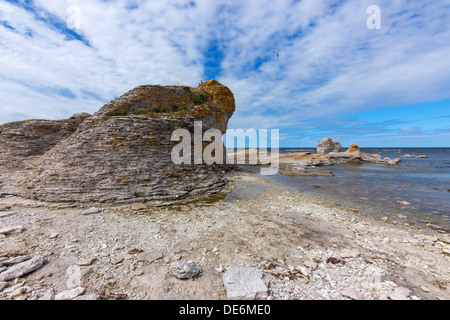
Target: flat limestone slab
(245, 283)
(22, 268)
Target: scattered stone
(138, 206)
(87, 261)
(184, 270)
(92, 296)
(311, 264)
(20, 269)
(425, 289)
(391, 284)
(48, 295)
(91, 211)
(70, 294)
(19, 292)
(12, 230)
(3, 285)
(219, 269)
(53, 235)
(304, 271)
(245, 283)
(347, 253)
(403, 203)
(350, 293)
(384, 219)
(6, 214)
(151, 256)
(117, 260)
(74, 277)
(400, 293)
(17, 260)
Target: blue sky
(334, 78)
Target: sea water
(375, 188)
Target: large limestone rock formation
(123, 152)
(327, 145)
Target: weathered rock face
(327, 145)
(353, 148)
(123, 152)
(23, 139)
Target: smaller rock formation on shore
(327, 145)
(353, 148)
(406, 156)
(303, 163)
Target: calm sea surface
(374, 188)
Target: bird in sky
(278, 55)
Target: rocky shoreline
(296, 164)
(284, 244)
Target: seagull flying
(278, 55)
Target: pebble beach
(304, 248)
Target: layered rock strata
(123, 152)
(23, 140)
(327, 145)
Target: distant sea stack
(327, 145)
(123, 152)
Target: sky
(334, 77)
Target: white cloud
(330, 63)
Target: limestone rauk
(122, 153)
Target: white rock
(425, 289)
(12, 230)
(304, 271)
(391, 284)
(92, 296)
(347, 253)
(245, 283)
(73, 277)
(53, 235)
(91, 211)
(400, 293)
(87, 261)
(220, 269)
(20, 269)
(70, 294)
(311, 264)
(350, 293)
(7, 214)
(184, 270)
